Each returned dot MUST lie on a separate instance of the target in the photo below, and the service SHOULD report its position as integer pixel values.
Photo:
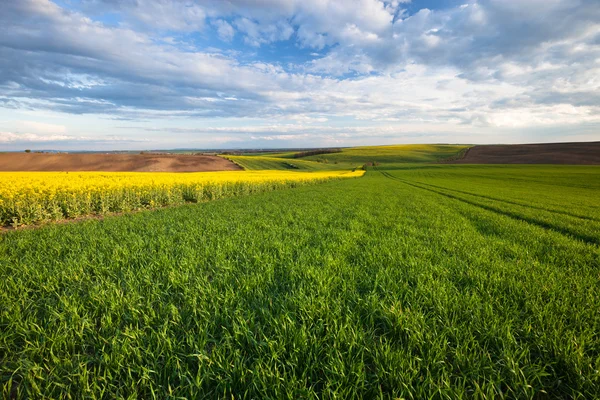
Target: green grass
(418, 281)
(561, 198)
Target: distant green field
(409, 153)
(276, 163)
(351, 157)
(286, 154)
(416, 281)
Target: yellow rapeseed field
(27, 197)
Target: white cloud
(482, 67)
(8, 137)
(257, 33)
(225, 31)
(156, 14)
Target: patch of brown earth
(113, 162)
(587, 153)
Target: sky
(158, 74)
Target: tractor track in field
(563, 231)
(513, 202)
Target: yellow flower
(22, 192)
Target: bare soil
(587, 153)
(113, 162)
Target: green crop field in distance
(351, 157)
(275, 163)
(406, 153)
(415, 281)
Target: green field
(352, 157)
(415, 281)
(279, 163)
(405, 153)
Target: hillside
(586, 153)
(408, 153)
(113, 162)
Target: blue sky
(151, 74)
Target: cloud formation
(365, 66)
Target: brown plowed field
(587, 153)
(113, 162)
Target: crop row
(32, 197)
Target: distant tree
(27, 151)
